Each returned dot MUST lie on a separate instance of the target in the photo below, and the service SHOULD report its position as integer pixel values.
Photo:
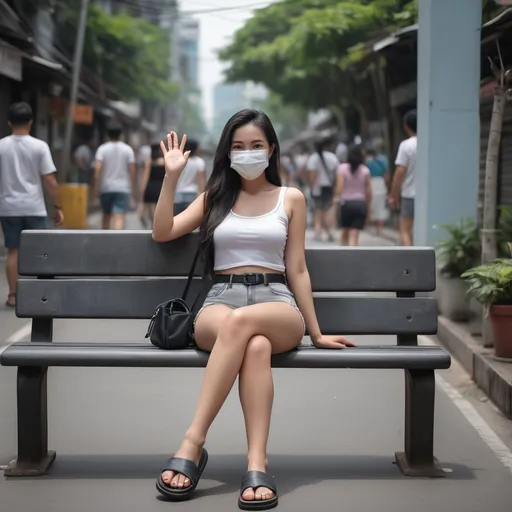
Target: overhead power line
(159, 8)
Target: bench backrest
(104, 274)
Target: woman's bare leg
(206, 331)
(344, 236)
(256, 389)
(277, 321)
(353, 237)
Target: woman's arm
(201, 180)
(166, 227)
(297, 272)
(368, 196)
(340, 182)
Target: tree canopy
(130, 54)
(304, 49)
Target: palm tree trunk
(489, 239)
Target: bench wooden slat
(135, 253)
(138, 298)
(138, 355)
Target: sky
(217, 29)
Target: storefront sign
(83, 114)
(10, 63)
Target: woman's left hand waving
(335, 342)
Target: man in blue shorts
(115, 178)
(26, 165)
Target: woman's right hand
(174, 156)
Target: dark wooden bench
(82, 274)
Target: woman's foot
(190, 449)
(261, 493)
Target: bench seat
(145, 355)
(126, 274)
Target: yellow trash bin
(74, 205)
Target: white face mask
(249, 164)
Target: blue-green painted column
(448, 114)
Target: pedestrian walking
(322, 165)
(151, 182)
(26, 165)
(379, 180)
(115, 178)
(142, 159)
(252, 233)
(192, 180)
(354, 194)
(84, 161)
(403, 189)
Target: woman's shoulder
(294, 195)
(343, 168)
(364, 169)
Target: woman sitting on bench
(253, 238)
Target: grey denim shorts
(238, 295)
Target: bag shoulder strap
(191, 273)
(328, 173)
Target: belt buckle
(248, 281)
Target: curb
(492, 376)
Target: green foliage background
(130, 54)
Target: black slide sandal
(187, 468)
(253, 480)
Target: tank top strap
(282, 194)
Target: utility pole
(77, 64)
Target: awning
(395, 37)
(43, 62)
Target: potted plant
(456, 253)
(491, 285)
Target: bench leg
(418, 458)
(34, 459)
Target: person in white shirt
(26, 165)
(192, 181)
(342, 152)
(144, 210)
(403, 189)
(322, 166)
(115, 178)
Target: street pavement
(331, 446)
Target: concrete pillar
(448, 114)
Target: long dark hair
(355, 157)
(224, 183)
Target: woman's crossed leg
(241, 342)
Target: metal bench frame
(42, 297)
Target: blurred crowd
(351, 186)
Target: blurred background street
(413, 95)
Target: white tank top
(252, 241)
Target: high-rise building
(189, 53)
(230, 98)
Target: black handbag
(171, 327)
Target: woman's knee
(258, 349)
(237, 325)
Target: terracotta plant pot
(501, 319)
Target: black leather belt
(250, 279)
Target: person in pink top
(354, 193)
